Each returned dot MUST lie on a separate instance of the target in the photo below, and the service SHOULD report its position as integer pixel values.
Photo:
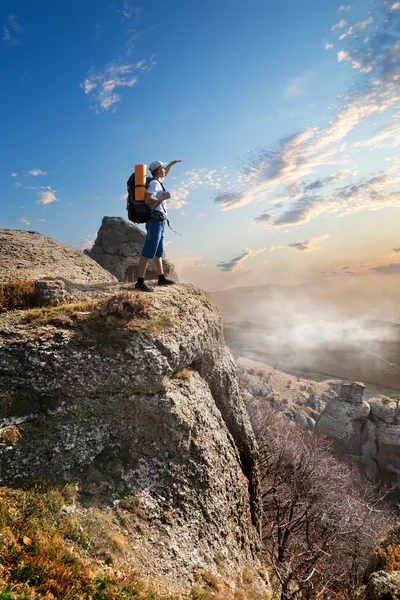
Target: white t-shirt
(155, 188)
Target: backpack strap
(160, 182)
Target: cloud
(189, 262)
(375, 53)
(14, 174)
(177, 199)
(264, 219)
(395, 6)
(340, 25)
(372, 194)
(328, 46)
(392, 269)
(297, 86)
(191, 266)
(88, 241)
(128, 11)
(193, 180)
(388, 137)
(320, 183)
(358, 26)
(238, 261)
(41, 220)
(230, 200)
(396, 249)
(47, 197)
(344, 7)
(307, 245)
(12, 31)
(36, 172)
(24, 220)
(100, 85)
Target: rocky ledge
(148, 408)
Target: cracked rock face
(369, 432)
(119, 421)
(118, 247)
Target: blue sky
(285, 116)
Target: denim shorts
(154, 244)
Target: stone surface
(383, 586)
(118, 247)
(119, 420)
(27, 255)
(367, 431)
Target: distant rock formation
(118, 247)
(28, 255)
(109, 407)
(369, 432)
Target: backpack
(138, 210)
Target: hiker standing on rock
(156, 197)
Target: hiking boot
(143, 287)
(165, 281)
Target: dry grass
(16, 294)
(387, 555)
(64, 316)
(184, 375)
(127, 305)
(48, 554)
(11, 434)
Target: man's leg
(142, 266)
(158, 265)
(149, 250)
(162, 280)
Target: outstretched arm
(171, 164)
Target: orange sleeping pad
(140, 182)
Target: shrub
(321, 520)
(11, 434)
(17, 294)
(127, 305)
(39, 561)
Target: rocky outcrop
(383, 586)
(301, 401)
(27, 255)
(149, 409)
(118, 247)
(369, 432)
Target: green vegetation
(47, 553)
(391, 398)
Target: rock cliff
(369, 432)
(118, 247)
(28, 255)
(148, 408)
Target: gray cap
(156, 164)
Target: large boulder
(344, 417)
(152, 410)
(28, 255)
(369, 432)
(118, 247)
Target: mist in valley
(346, 328)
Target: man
(156, 197)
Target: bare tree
(321, 519)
